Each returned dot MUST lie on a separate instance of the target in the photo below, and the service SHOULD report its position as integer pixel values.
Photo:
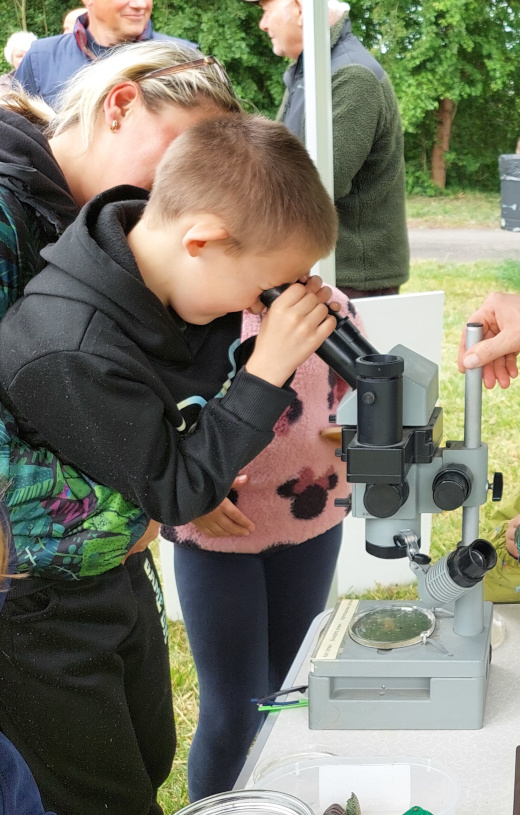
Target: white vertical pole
(318, 128)
(318, 104)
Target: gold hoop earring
(114, 126)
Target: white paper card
(383, 789)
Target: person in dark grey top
(372, 254)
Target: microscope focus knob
(384, 500)
(497, 487)
(451, 486)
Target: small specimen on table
(353, 807)
(334, 809)
(417, 811)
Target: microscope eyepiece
(380, 366)
(380, 399)
(342, 348)
(456, 573)
(467, 565)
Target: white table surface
(484, 760)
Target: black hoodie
(28, 169)
(35, 203)
(95, 367)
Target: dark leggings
(246, 616)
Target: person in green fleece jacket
(372, 254)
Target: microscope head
(389, 426)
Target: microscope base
(439, 685)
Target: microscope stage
(439, 682)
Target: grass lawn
(465, 286)
(469, 210)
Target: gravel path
(464, 245)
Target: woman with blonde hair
(84, 669)
(113, 123)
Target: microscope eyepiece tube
(380, 399)
(467, 565)
(456, 573)
(341, 348)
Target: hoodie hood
(95, 368)
(110, 281)
(29, 170)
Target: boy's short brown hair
(255, 175)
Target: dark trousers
(246, 616)
(85, 692)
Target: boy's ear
(205, 231)
(120, 101)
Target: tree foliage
(466, 52)
(229, 30)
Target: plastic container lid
(320, 782)
(276, 761)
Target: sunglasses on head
(203, 62)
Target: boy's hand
(226, 519)
(511, 545)
(500, 317)
(296, 325)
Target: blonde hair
(19, 41)
(255, 175)
(32, 108)
(83, 96)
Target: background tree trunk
(445, 116)
(21, 13)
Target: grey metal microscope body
(391, 444)
(391, 436)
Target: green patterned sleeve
(9, 260)
(63, 523)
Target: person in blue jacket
(106, 23)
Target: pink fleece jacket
(292, 484)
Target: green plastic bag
(502, 584)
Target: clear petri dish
(248, 802)
(392, 626)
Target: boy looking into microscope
(124, 356)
